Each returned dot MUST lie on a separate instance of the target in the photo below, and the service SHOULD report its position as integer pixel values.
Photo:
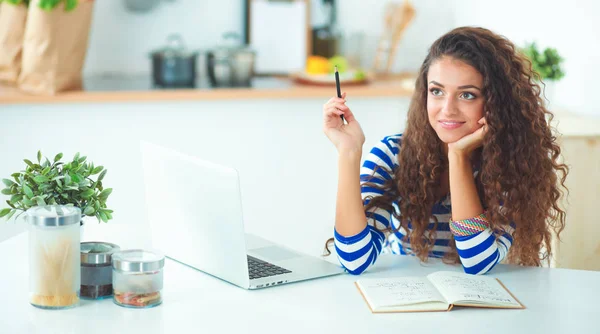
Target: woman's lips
(451, 124)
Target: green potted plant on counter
(547, 64)
(57, 182)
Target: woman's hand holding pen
(347, 138)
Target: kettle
(231, 64)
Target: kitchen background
(120, 40)
(277, 136)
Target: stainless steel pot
(174, 66)
(230, 65)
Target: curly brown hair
(520, 170)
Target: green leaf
(76, 178)
(27, 202)
(8, 182)
(59, 183)
(101, 176)
(103, 216)
(58, 157)
(6, 191)
(4, 212)
(87, 194)
(52, 201)
(89, 211)
(46, 170)
(28, 162)
(39, 156)
(40, 201)
(82, 159)
(28, 191)
(104, 194)
(16, 198)
(76, 157)
(97, 170)
(12, 212)
(67, 180)
(48, 5)
(40, 179)
(45, 187)
(70, 5)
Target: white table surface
(557, 301)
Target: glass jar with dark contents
(96, 269)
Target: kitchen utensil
(231, 64)
(174, 66)
(396, 19)
(142, 6)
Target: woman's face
(454, 100)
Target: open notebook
(439, 291)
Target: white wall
(572, 27)
(288, 168)
(121, 40)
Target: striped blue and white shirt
(478, 252)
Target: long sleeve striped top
(478, 252)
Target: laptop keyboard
(258, 268)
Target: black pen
(337, 85)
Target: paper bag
(54, 48)
(12, 30)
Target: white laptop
(194, 209)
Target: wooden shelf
(130, 89)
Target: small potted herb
(76, 182)
(547, 64)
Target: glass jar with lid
(138, 278)
(54, 267)
(96, 269)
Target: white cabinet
(579, 247)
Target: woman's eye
(468, 96)
(435, 92)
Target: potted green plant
(547, 64)
(57, 182)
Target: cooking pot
(143, 6)
(231, 64)
(174, 65)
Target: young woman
(475, 175)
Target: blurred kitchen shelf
(101, 89)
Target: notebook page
(386, 292)
(464, 288)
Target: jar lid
(53, 215)
(138, 260)
(95, 252)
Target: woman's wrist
(458, 156)
(352, 154)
